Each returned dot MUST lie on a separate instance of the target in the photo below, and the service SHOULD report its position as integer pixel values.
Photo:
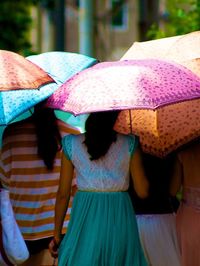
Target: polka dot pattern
(163, 130)
(16, 72)
(62, 65)
(193, 65)
(129, 84)
(15, 102)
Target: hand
(53, 247)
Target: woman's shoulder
(69, 141)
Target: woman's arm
(140, 182)
(177, 176)
(63, 194)
(62, 201)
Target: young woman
(30, 169)
(186, 177)
(156, 215)
(102, 228)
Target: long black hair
(48, 135)
(100, 133)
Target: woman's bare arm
(63, 195)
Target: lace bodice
(109, 173)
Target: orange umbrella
(17, 73)
(155, 137)
(165, 129)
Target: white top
(110, 172)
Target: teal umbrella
(14, 103)
(62, 65)
(75, 121)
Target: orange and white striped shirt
(32, 186)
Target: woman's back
(158, 172)
(110, 172)
(31, 185)
(187, 176)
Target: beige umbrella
(150, 49)
(183, 49)
(177, 48)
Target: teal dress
(102, 230)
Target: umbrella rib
(130, 117)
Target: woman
(30, 168)
(102, 228)
(186, 178)
(156, 215)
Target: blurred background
(103, 29)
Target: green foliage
(182, 16)
(15, 21)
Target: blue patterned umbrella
(62, 65)
(14, 103)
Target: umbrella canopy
(77, 122)
(62, 65)
(177, 48)
(15, 102)
(183, 49)
(150, 49)
(152, 89)
(17, 73)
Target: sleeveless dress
(102, 230)
(188, 227)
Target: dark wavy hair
(48, 135)
(100, 133)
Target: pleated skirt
(102, 232)
(159, 239)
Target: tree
(15, 21)
(181, 17)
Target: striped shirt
(32, 186)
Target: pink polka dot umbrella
(159, 100)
